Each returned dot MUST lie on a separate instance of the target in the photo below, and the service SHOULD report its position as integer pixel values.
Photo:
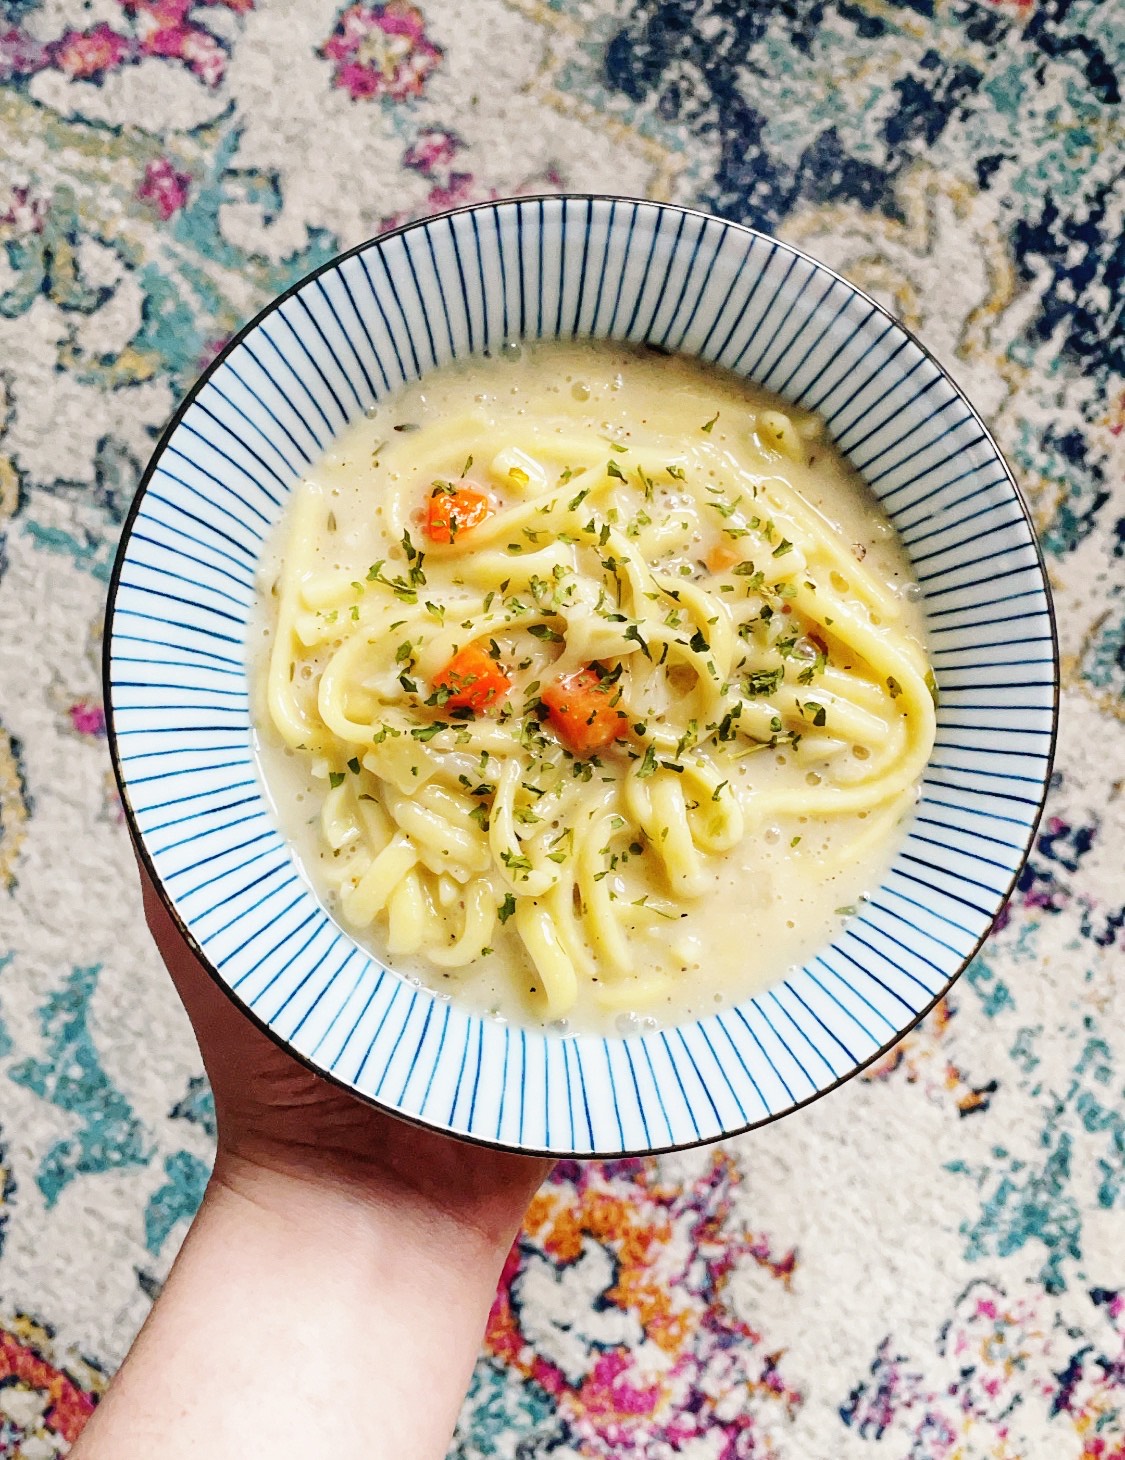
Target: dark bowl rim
(141, 850)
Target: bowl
(177, 692)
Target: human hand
(278, 1120)
(330, 1296)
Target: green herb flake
(647, 766)
(335, 778)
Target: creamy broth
(728, 493)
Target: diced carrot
(474, 681)
(580, 712)
(722, 556)
(455, 508)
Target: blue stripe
(688, 272)
(564, 213)
(978, 559)
(744, 310)
(187, 603)
(140, 562)
(778, 295)
(643, 285)
(373, 992)
(624, 1047)
(754, 1036)
(602, 269)
(351, 953)
(869, 410)
(460, 1074)
(746, 1070)
(276, 348)
(397, 989)
(830, 1032)
(218, 482)
(919, 425)
(646, 333)
(311, 358)
(839, 355)
(476, 1072)
(759, 1006)
(306, 455)
(436, 1062)
(986, 814)
(683, 1093)
(848, 371)
(397, 1041)
(185, 425)
(378, 303)
(503, 1087)
(413, 1062)
(977, 836)
(502, 260)
(852, 990)
(441, 295)
(577, 314)
(967, 542)
(700, 292)
(178, 552)
(341, 274)
(702, 1083)
(372, 393)
(270, 442)
(656, 1087)
(626, 255)
(701, 1029)
(984, 912)
(585, 1098)
(821, 1056)
(613, 1094)
(783, 388)
(911, 948)
(153, 496)
(757, 370)
(288, 964)
(193, 815)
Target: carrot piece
(454, 508)
(580, 713)
(721, 557)
(474, 681)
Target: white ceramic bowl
(176, 682)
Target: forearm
(303, 1320)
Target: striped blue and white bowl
(176, 682)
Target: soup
(589, 685)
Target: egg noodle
(645, 618)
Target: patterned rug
(930, 1263)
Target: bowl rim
(141, 851)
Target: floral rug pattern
(929, 1265)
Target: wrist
(430, 1206)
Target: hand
(276, 1118)
(330, 1296)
